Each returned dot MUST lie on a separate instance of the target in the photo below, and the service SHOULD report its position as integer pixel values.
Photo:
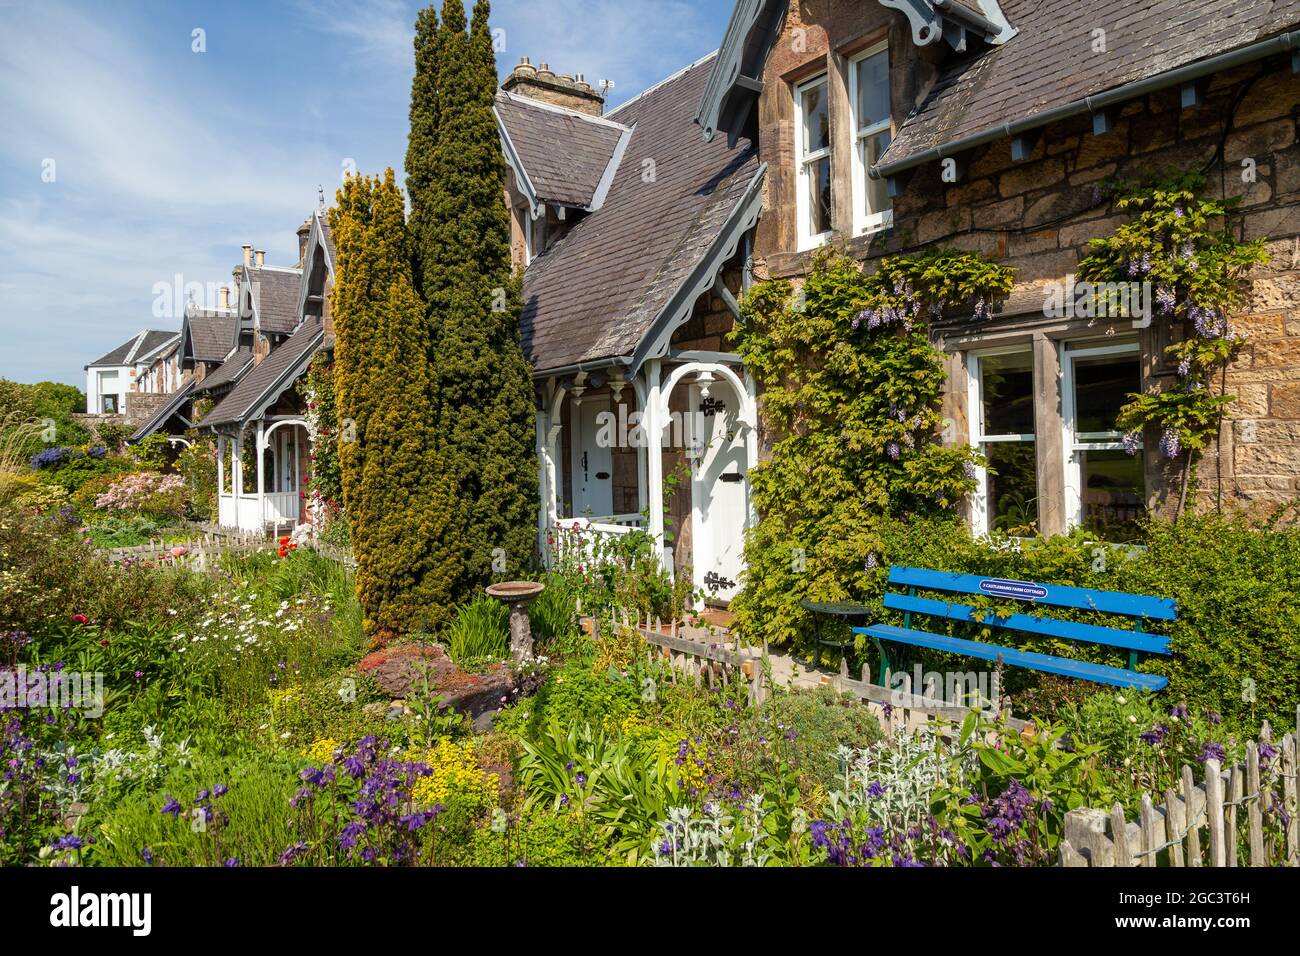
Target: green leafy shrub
(480, 632)
(574, 694)
(554, 613)
(852, 386)
(819, 722)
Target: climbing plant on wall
(1179, 242)
(851, 386)
(323, 490)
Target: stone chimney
(304, 234)
(225, 297)
(540, 83)
(248, 255)
(260, 258)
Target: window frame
(863, 221)
(1073, 441)
(979, 500)
(804, 161)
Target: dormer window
(872, 130)
(813, 158)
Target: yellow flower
(455, 769)
(322, 751)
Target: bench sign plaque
(1024, 590)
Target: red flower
(104, 642)
(283, 551)
(80, 619)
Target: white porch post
(221, 464)
(261, 455)
(642, 478)
(543, 487)
(654, 424)
(237, 466)
(751, 446)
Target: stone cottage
(891, 126)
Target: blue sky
(165, 161)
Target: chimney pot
(248, 254)
(225, 297)
(261, 258)
(540, 82)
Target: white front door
(718, 491)
(592, 461)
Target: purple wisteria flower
(1170, 444)
(1166, 300)
(893, 450)
(1131, 442)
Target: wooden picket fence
(706, 659)
(1219, 822)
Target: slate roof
(270, 378)
(135, 348)
(1050, 61)
(275, 297)
(229, 371)
(180, 398)
(598, 291)
(212, 334)
(564, 153)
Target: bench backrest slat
(1107, 602)
(1046, 626)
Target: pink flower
(80, 619)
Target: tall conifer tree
(390, 471)
(483, 389)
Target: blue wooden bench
(1138, 608)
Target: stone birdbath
(517, 595)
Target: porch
(259, 474)
(665, 450)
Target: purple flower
(1131, 442)
(146, 854)
(292, 853)
(1212, 751)
(231, 862)
(172, 806)
(892, 450)
(69, 842)
(1266, 754)
(1155, 736)
(1166, 300)
(1170, 443)
(876, 789)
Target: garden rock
(401, 673)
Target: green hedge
(1236, 642)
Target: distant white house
(147, 362)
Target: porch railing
(605, 524)
(250, 513)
